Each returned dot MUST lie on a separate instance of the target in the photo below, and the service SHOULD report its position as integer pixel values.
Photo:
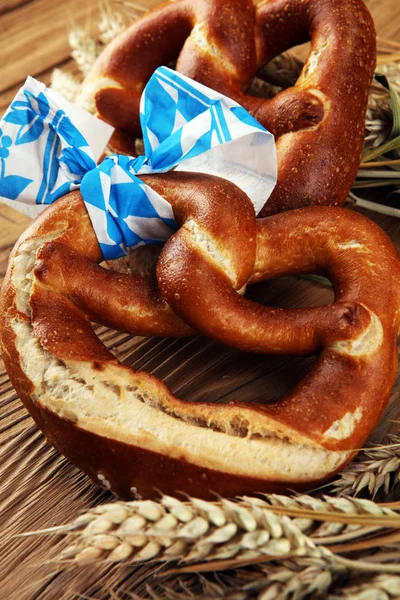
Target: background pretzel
(318, 123)
(125, 428)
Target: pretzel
(318, 123)
(125, 428)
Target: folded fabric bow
(44, 155)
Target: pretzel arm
(257, 328)
(113, 87)
(318, 166)
(124, 302)
(69, 261)
(290, 111)
(196, 249)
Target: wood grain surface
(39, 488)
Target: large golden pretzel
(125, 428)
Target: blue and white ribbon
(47, 149)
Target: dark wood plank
(34, 36)
(7, 5)
(386, 15)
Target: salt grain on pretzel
(125, 428)
(318, 123)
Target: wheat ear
(373, 470)
(287, 581)
(194, 531)
(225, 534)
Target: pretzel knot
(318, 123)
(124, 427)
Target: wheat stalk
(379, 118)
(225, 534)
(331, 521)
(65, 83)
(372, 470)
(191, 532)
(392, 72)
(380, 587)
(112, 23)
(291, 580)
(283, 71)
(267, 582)
(85, 49)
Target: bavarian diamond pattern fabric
(124, 210)
(44, 155)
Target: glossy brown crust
(104, 294)
(257, 328)
(358, 257)
(318, 163)
(318, 123)
(223, 247)
(163, 34)
(133, 472)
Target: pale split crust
(125, 428)
(318, 123)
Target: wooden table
(40, 488)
